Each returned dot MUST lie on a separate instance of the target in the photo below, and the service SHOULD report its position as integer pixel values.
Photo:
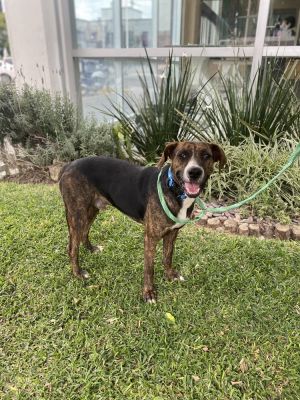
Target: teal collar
(171, 183)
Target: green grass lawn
(237, 315)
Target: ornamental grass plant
(153, 119)
(249, 166)
(265, 108)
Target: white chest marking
(182, 212)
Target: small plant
(50, 127)
(249, 167)
(153, 119)
(31, 116)
(91, 138)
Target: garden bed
(31, 175)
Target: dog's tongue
(191, 188)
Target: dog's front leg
(150, 243)
(168, 249)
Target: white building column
(38, 45)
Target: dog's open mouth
(192, 189)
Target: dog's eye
(206, 156)
(183, 156)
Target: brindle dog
(89, 184)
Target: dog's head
(192, 164)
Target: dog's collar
(171, 183)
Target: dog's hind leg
(81, 211)
(168, 249)
(91, 216)
(77, 225)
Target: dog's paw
(82, 274)
(85, 274)
(173, 275)
(149, 296)
(97, 249)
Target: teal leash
(220, 210)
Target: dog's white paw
(151, 301)
(98, 249)
(179, 278)
(173, 275)
(149, 296)
(85, 274)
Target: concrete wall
(38, 46)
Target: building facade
(94, 49)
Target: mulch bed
(31, 175)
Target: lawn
(237, 316)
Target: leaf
(243, 365)
(196, 378)
(170, 317)
(236, 383)
(112, 320)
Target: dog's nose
(195, 173)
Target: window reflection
(153, 23)
(137, 23)
(165, 12)
(284, 23)
(219, 22)
(94, 23)
(102, 79)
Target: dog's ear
(218, 155)
(168, 152)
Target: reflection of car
(98, 74)
(7, 70)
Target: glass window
(148, 23)
(206, 68)
(137, 23)
(102, 79)
(164, 37)
(94, 24)
(219, 22)
(284, 23)
(153, 23)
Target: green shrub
(89, 139)
(50, 127)
(153, 119)
(251, 165)
(31, 116)
(266, 108)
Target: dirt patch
(31, 175)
